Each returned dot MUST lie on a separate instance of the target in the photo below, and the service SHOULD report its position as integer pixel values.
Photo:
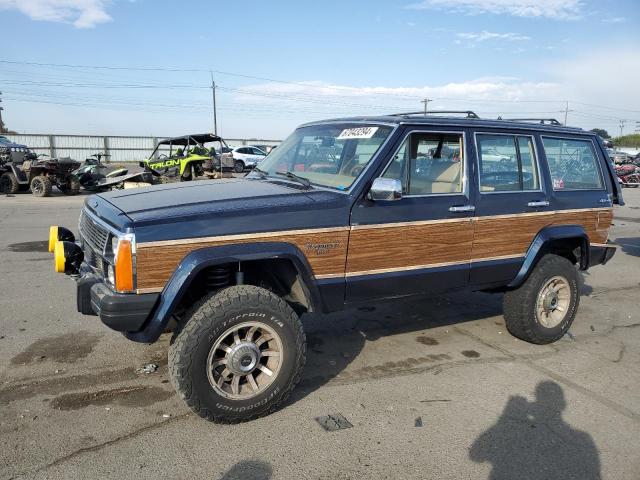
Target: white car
(246, 157)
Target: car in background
(13, 152)
(265, 148)
(246, 157)
(619, 157)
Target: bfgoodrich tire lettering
(521, 306)
(211, 318)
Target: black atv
(39, 175)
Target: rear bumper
(124, 312)
(600, 254)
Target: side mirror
(385, 189)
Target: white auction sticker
(358, 132)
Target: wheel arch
(569, 241)
(245, 255)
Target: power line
(307, 85)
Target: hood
(223, 207)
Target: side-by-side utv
(189, 156)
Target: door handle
(463, 208)
(542, 203)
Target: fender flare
(543, 238)
(200, 259)
(21, 178)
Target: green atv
(188, 156)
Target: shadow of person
(249, 470)
(531, 440)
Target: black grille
(95, 235)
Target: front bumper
(124, 312)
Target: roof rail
(542, 121)
(468, 113)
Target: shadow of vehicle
(630, 245)
(335, 340)
(249, 470)
(531, 440)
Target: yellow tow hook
(53, 237)
(58, 256)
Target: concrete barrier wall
(121, 148)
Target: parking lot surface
(433, 388)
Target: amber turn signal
(124, 267)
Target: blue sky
(278, 64)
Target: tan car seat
(443, 177)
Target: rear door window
(573, 164)
(507, 163)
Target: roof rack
(542, 121)
(468, 113)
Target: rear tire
(228, 336)
(238, 167)
(9, 183)
(72, 187)
(542, 309)
(41, 186)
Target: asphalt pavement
(419, 389)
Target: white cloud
(614, 20)
(320, 95)
(485, 35)
(557, 9)
(81, 13)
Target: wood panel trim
(391, 247)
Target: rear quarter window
(573, 164)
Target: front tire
(238, 167)
(41, 186)
(238, 355)
(543, 308)
(9, 183)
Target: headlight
(111, 277)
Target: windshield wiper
(297, 178)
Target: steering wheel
(162, 156)
(356, 170)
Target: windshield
(327, 155)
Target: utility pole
(213, 94)
(426, 102)
(622, 122)
(1, 109)
(566, 113)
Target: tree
(601, 132)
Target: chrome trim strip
(429, 265)
(242, 236)
(603, 245)
(409, 224)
